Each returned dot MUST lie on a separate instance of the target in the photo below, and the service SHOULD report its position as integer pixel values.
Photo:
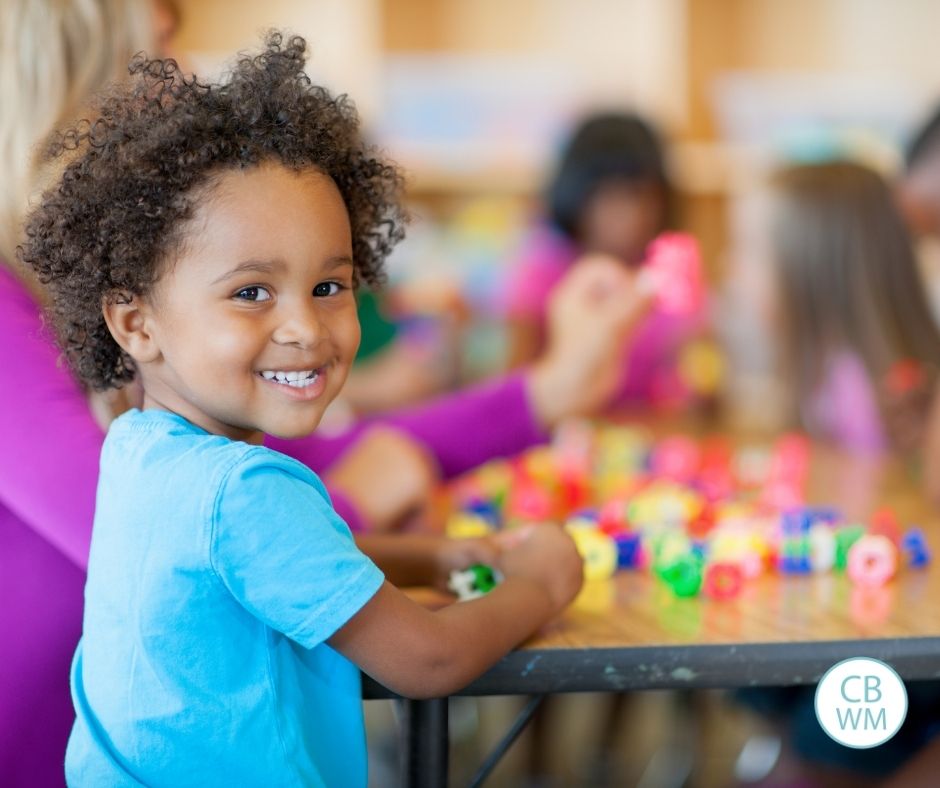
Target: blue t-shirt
(217, 572)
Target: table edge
(693, 666)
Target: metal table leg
(425, 743)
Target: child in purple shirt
(610, 195)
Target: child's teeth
(295, 379)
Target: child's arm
(424, 559)
(421, 653)
(386, 475)
(51, 443)
(524, 340)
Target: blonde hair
(54, 55)
(848, 274)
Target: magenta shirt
(48, 478)
(650, 374)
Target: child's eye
(327, 289)
(253, 293)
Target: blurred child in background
(610, 195)
(842, 293)
(846, 299)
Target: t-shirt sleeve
(283, 552)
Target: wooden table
(632, 633)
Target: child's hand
(590, 317)
(387, 476)
(457, 554)
(545, 555)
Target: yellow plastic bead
(598, 550)
(465, 525)
(702, 367)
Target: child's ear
(128, 319)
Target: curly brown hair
(135, 174)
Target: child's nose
(300, 325)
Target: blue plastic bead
(914, 545)
(628, 550)
(794, 564)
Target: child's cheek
(346, 334)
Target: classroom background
(473, 98)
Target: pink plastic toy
(674, 262)
(723, 580)
(790, 460)
(872, 560)
(885, 523)
(676, 458)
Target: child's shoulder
(155, 442)
(546, 249)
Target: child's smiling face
(253, 327)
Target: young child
(844, 295)
(610, 195)
(206, 239)
(846, 298)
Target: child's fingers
(507, 540)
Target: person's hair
(113, 223)
(848, 276)
(605, 147)
(53, 56)
(925, 143)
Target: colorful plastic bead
(599, 552)
(751, 466)
(675, 264)
(790, 459)
(795, 523)
(914, 545)
(723, 580)
(683, 576)
(822, 547)
(574, 490)
(700, 549)
(486, 510)
(703, 525)
(613, 518)
(467, 525)
(585, 518)
(702, 367)
(793, 558)
(528, 501)
(676, 458)
(872, 560)
(474, 581)
(885, 523)
(669, 547)
(846, 536)
(628, 550)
